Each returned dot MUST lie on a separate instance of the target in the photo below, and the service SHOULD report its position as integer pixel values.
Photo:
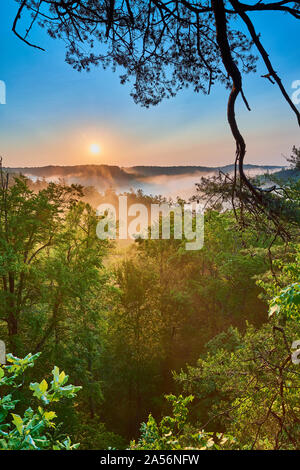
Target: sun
(95, 149)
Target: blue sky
(54, 113)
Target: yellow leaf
(61, 377)
(43, 386)
(49, 415)
(18, 422)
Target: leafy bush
(173, 432)
(36, 430)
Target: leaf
(31, 441)
(55, 373)
(35, 387)
(62, 376)
(43, 386)
(18, 422)
(275, 309)
(49, 415)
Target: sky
(53, 114)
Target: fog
(170, 182)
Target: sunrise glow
(95, 149)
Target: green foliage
(174, 433)
(35, 430)
(169, 303)
(54, 289)
(285, 302)
(251, 387)
(125, 321)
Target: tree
(166, 46)
(294, 159)
(54, 289)
(248, 382)
(29, 223)
(280, 194)
(170, 302)
(134, 346)
(250, 387)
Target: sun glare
(95, 149)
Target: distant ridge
(165, 180)
(180, 169)
(146, 170)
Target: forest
(167, 348)
(142, 344)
